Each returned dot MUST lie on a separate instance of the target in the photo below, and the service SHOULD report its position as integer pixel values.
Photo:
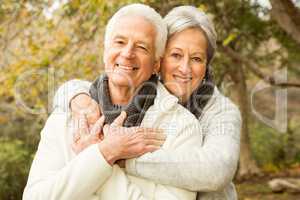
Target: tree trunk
(290, 149)
(287, 15)
(247, 165)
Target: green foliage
(15, 160)
(267, 145)
(270, 147)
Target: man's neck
(120, 95)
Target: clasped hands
(115, 142)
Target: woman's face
(184, 63)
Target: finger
(83, 125)
(96, 129)
(132, 130)
(145, 129)
(106, 130)
(155, 135)
(93, 113)
(76, 137)
(119, 121)
(150, 130)
(151, 148)
(155, 142)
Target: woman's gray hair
(184, 17)
(149, 14)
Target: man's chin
(121, 80)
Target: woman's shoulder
(220, 105)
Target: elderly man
(134, 42)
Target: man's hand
(123, 143)
(85, 136)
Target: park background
(45, 43)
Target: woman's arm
(67, 91)
(202, 168)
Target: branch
(287, 15)
(255, 69)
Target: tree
(287, 15)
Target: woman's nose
(184, 67)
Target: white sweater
(217, 158)
(57, 173)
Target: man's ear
(156, 69)
(104, 56)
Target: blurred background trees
(44, 43)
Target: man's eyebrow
(118, 37)
(145, 44)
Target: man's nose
(128, 51)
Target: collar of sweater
(164, 99)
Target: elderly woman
(186, 73)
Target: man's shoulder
(56, 123)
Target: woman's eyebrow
(199, 53)
(175, 48)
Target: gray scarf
(136, 108)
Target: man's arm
(198, 168)
(53, 176)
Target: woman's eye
(197, 59)
(176, 55)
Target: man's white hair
(149, 14)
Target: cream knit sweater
(57, 173)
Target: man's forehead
(134, 25)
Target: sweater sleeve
(199, 168)
(125, 188)
(67, 91)
(52, 176)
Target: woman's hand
(86, 135)
(87, 123)
(84, 104)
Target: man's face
(130, 55)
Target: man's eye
(119, 42)
(142, 48)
